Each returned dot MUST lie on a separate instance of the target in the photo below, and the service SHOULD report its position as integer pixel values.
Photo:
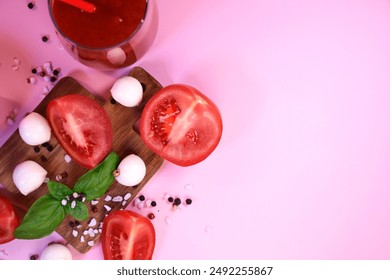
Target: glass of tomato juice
(115, 35)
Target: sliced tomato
(127, 235)
(82, 127)
(8, 220)
(181, 125)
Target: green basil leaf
(79, 212)
(58, 191)
(96, 182)
(43, 217)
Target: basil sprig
(96, 182)
(48, 211)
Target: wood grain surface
(126, 140)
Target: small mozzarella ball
(116, 56)
(56, 252)
(132, 170)
(28, 176)
(127, 91)
(34, 129)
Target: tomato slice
(181, 125)
(127, 235)
(8, 220)
(82, 127)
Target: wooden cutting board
(126, 140)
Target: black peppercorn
(170, 199)
(142, 198)
(153, 203)
(45, 38)
(31, 5)
(177, 201)
(188, 201)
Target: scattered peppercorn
(113, 101)
(34, 257)
(170, 199)
(153, 203)
(53, 79)
(141, 197)
(177, 201)
(188, 201)
(49, 148)
(72, 224)
(151, 216)
(45, 38)
(43, 158)
(34, 70)
(56, 71)
(31, 5)
(94, 209)
(77, 223)
(45, 144)
(36, 149)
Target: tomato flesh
(8, 220)
(127, 235)
(82, 127)
(181, 125)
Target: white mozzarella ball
(131, 170)
(34, 129)
(127, 91)
(56, 252)
(116, 56)
(28, 176)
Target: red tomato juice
(128, 24)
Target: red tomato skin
(94, 117)
(121, 226)
(206, 121)
(8, 220)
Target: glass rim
(128, 38)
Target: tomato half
(8, 220)
(181, 125)
(82, 127)
(127, 235)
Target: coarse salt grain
(141, 205)
(167, 195)
(100, 230)
(48, 67)
(137, 201)
(91, 243)
(108, 208)
(67, 158)
(75, 233)
(17, 61)
(148, 203)
(108, 198)
(96, 231)
(82, 239)
(117, 198)
(32, 80)
(94, 202)
(64, 202)
(124, 202)
(15, 67)
(208, 228)
(127, 196)
(92, 223)
(188, 187)
(85, 232)
(168, 220)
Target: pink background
(302, 171)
